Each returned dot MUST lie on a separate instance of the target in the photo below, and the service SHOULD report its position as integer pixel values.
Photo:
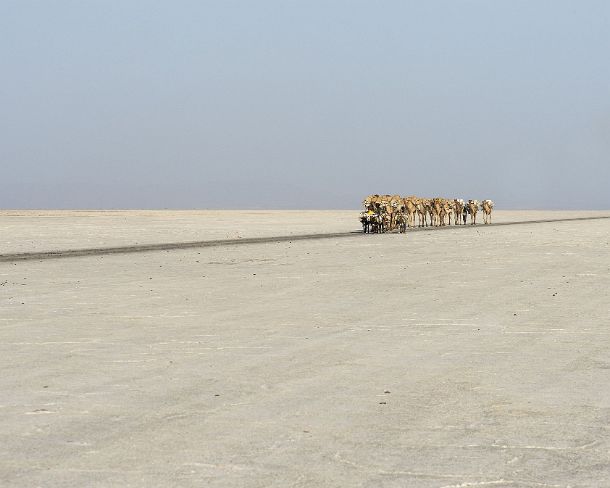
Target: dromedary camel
(473, 207)
(458, 208)
(410, 206)
(487, 206)
(436, 209)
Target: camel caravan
(387, 213)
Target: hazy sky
(303, 104)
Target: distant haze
(303, 104)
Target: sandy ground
(459, 358)
(44, 230)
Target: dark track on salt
(171, 246)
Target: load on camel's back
(384, 213)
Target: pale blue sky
(303, 104)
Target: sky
(303, 104)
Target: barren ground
(51, 230)
(462, 357)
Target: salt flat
(51, 230)
(467, 357)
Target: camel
(442, 213)
(422, 212)
(368, 202)
(374, 202)
(458, 208)
(435, 211)
(428, 205)
(473, 206)
(446, 211)
(383, 216)
(487, 206)
(387, 212)
(397, 203)
(410, 206)
(386, 222)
